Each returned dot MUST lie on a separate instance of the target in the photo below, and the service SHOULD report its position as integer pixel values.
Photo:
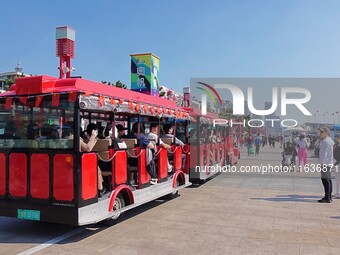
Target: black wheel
(173, 194)
(118, 204)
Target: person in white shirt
(153, 135)
(326, 163)
(168, 133)
(303, 151)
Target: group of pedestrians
(329, 159)
(257, 141)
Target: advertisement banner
(145, 73)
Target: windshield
(22, 125)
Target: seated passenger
(149, 146)
(32, 131)
(153, 134)
(45, 132)
(86, 145)
(168, 133)
(10, 131)
(121, 131)
(101, 132)
(116, 140)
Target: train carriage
(43, 174)
(211, 146)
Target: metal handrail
(100, 158)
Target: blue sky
(192, 38)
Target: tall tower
(65, 42)
(145, 73)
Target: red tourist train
(45, 176)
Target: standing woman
(303, 150)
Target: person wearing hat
(326, 163)
(302, 144)
(121, 130)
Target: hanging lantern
(145, 108)
(131, 105)
(101, 101)
(152, 109)
(112, 101)
(137, 107)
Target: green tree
(8, 83)
(119, 84)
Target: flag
(8, 102)
(55, 99)
(38, 100)
(23, 100)
(72, 96)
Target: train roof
(93, 91)
(47, 85)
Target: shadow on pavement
(41, 232)
(335, 217)
(199, 183)
(291, 198)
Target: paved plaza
(234, 213)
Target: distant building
(12, 75)
(246, 109)
(272, 121)
(267, 106)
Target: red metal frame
(119, 167)
(89, 175)
(162, 164)
(177, 157)
(63, 177)
(143, 175)
(40, 176)
(18, 174)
